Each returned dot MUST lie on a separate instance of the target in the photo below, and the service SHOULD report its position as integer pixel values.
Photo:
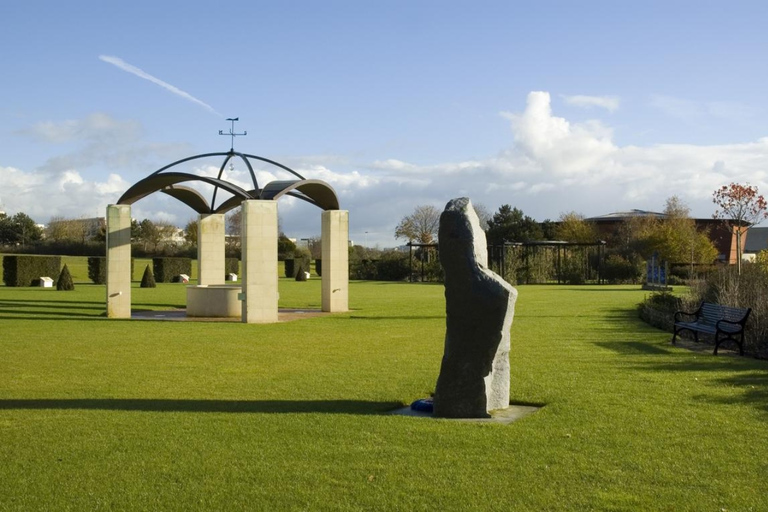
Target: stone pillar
(210, 249)
(259, 261)
(335, 256)
(118, 261)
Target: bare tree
(420, 226)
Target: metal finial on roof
(232, 133)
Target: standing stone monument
(474, 374)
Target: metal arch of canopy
(229, 155)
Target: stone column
(259, 261)
(335, 255)
(210, 249)
(118, 261)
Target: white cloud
(552, 165)
(42, 195)
(95, 127)
(610, 103)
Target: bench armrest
(732, 322)
(680, 314)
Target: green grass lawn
(100, 414)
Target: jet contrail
(120, 63)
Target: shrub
(97, 269)
(292, 265)
(64, 282)
(617, 269)
(393, 267)
(658, 309)
(301, 272)
(25, 270)
(231, 266)
(319, 267)
(166, 269)
(148, 279)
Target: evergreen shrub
(231, 266)
(166, 269)
(64, 282)
(292, 265)
(25, 270)
(148, 279)
(97, 269)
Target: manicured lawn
(122, 415)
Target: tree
(511, 225)
(233, 228)
(148, 233)
(285, 247)
(190, 232)
(421, 226)
(483, 214)
(19, 229)
(572, 227)
(741, 207)
(676, 238)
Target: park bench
(724, 322)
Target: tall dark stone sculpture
(474, 375)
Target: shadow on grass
(746, 379)
(46, 315)
(400, 317)
(228, 406)
(632, 347)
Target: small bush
(617, 269)
(301, 273)
(658, 309)
(148, 279)
(64, 282)
(319, 267)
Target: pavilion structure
(259, 234)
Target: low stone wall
(214, 301)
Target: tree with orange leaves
(741, 207)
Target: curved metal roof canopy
(316, 192)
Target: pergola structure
(259, 233)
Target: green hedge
(165, 269)
(292, 266)
(97, 269)
(231, 266)
(24, 270)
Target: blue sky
(552, 107)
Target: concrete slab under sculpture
(479, 304)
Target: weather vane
(232, 132)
